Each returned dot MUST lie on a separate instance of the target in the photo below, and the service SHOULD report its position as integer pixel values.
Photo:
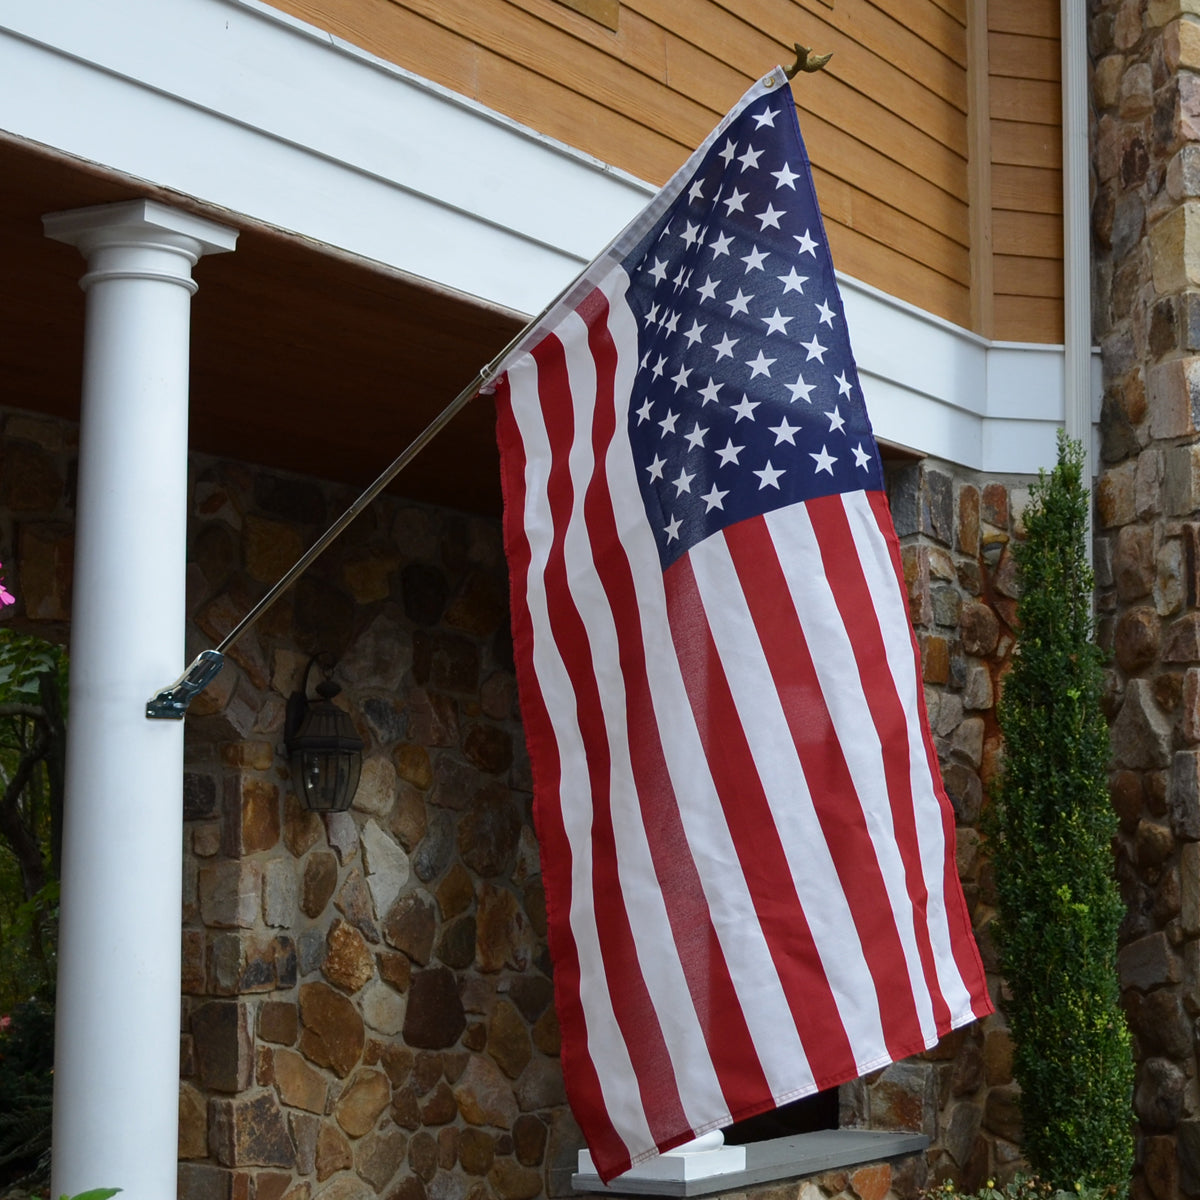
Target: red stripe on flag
(579, 1071)
(857, 605)
(631, 999)
(751, 822)
(713, 994)
(962, 939)
(829, 780)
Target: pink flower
(6, 597)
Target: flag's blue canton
(746, 398)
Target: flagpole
(172, 702)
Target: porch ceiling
(301, 360)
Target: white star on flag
(815, 349)
(724, 347)
(784, 432)
(787, 178)
(775, 323)
(754, 260)
(728, 454)
(739, 304)
(750, 158)
(734, 202)
(760, 365)
(745, 410)
(793, 282)
(769, 476)
(800, 390)
(720, 245)
(770, 217)
(824, 460)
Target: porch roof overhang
(392, 235)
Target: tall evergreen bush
(1052, 832)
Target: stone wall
(1147, 311)
(366, 997)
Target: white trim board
(253, 111)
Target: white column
(116, 1079)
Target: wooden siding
(885, 123)
(1024, 68)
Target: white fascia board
(939, 389)
(248, 109)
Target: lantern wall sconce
(323, 748)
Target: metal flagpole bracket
(172, 702)
(806, 63)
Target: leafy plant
(1052, 830)
(26, 1086)
(32, 749)
(1021, 1187)
(32, 746)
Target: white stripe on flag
(699, 1090)
(813, 871)
(897, 635)
(764, 1003)
(832, 651)
(606, 1046)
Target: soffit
(302, 359)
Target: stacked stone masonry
(367, 1005)
(1146, 236)
(956, 532)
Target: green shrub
(1052, 830)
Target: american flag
(747, 851)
